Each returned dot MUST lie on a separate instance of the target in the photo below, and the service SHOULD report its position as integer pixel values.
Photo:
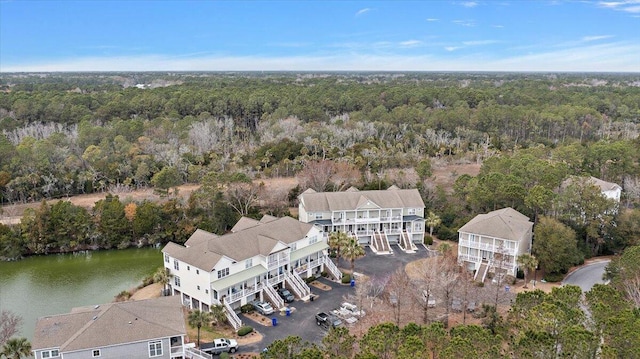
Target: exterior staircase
(406, 244)
(273, 297)
(296, 283)
(380, 243)
(233, 318)
(332, 268)
(482, 272)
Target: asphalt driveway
(302, 322)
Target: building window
(411, 211)
(248, 263)
(176, 281)
(313, 239)
(166, 258)
(206, 291)
(294, 246)
(418, 226)
(50, 353)
(188, 268)
(310, 214)
(223, 273)
(198, 287)
(197, 271)
(155, 349)
(318, 215)
(176, 264)
(95, 353)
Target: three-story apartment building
(376, 218)
(493, 241)
(247, 264)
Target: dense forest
(67, 134)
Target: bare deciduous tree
(399, 288)
(243, 196)
(9, 325)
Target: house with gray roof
(248, 264)
(492, 242)
(377, 218)
(153, 328)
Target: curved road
(587, 276)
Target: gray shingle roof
(506, 223)
(244, 244)
(336, 201)
(198, 237)
(111, 324)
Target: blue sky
(320, 35)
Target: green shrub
(224, 355)
(244, 330)
(428, 240)
(324, 274)
(309, 279)
(346, 278)
(553, 277)
(247, 308)
(480, 284)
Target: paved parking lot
(302, 322)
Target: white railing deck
(273, 297)
(332, 268)
(486, 246)
(194, 353)
(306, 291)
(233, 318)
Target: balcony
(486, 247)
(468, 258)
(280, 260)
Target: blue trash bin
(288, 311)
(353, 282)
(506, 288)
(274, 321)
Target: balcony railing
(279, 261)
(466, 257)
(486, 247)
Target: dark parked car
(327, 321)
(286, 295)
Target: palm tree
(351, 251)
(432, 220)
(528, 263)
(197, 319)
(336, 241)
(218, 313)
(163, 276)
(16, 348)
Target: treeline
(71, 134)
(559, 324)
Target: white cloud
(498, 26)
(466, 23)
(363, 11)
(431, 19)
(632, 6)
(596, 38)
(469, 3)
(607, 57)
(411, 43)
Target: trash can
(312, 297)
(353, 282)
(287, 311)
(506, 288)
(274, 321)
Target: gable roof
(198, 237)
(110, 324)
(348, 200)
(506, 223)
(260, 239)
(244, 223)
(603, 185)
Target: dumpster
(274, 321)
(287, 311)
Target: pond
(53, 284)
